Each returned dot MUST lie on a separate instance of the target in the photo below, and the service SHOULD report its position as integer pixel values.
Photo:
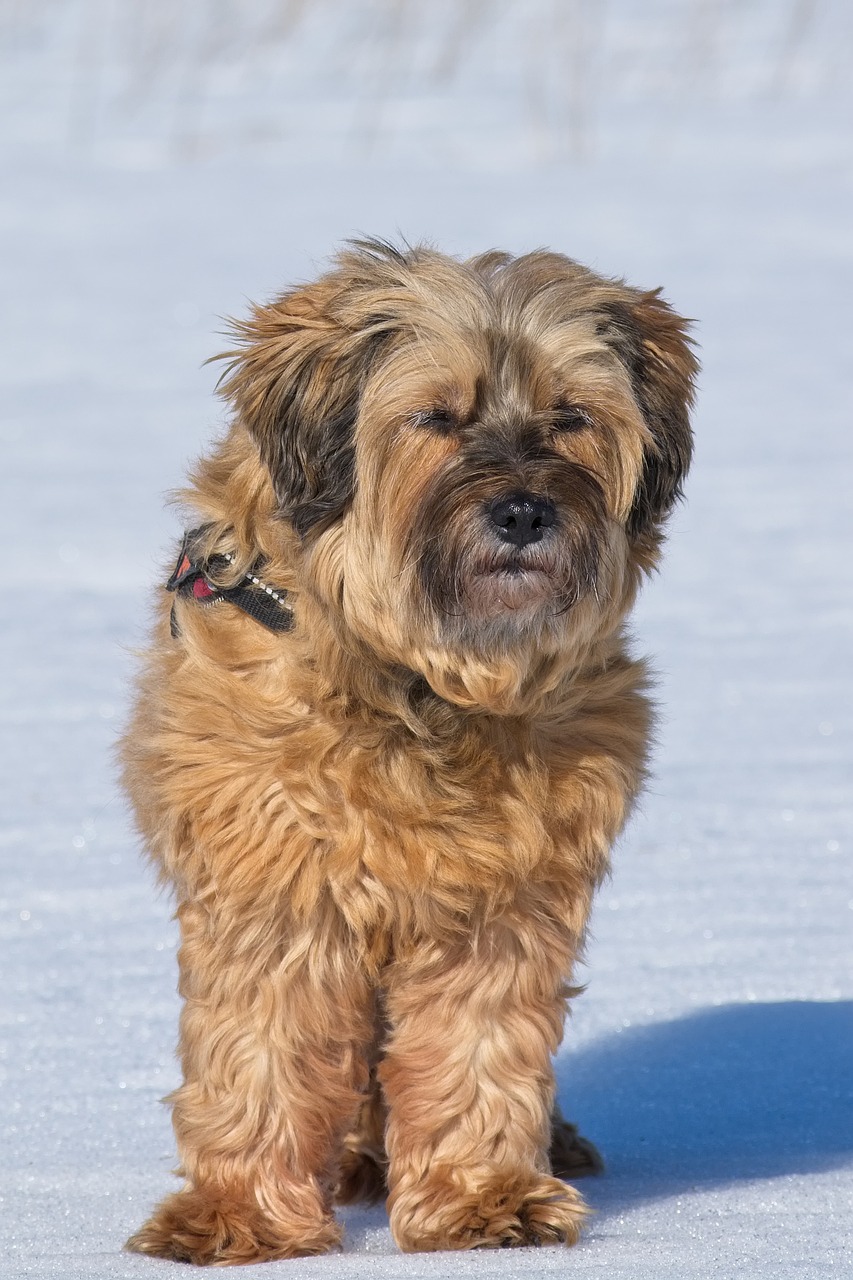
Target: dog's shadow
(737, 1092)
(727, 1094)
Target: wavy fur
(385, 828)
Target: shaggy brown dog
(385, 812)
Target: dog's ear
(295, 380)
(653, 342)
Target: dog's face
(478, 457)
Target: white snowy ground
(711, 1055)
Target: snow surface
(711, 1055)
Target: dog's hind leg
(571, 1154)
(364, 1164)
(274, 1035)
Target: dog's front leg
(272, 1045)
(469, 1084)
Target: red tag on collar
(202, 590)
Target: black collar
(194, 579)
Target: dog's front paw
(505, 1213)
(211, 1228)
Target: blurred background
(163, 163)
(484, 82)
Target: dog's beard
(517, 587)
(484, 591)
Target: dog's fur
(384, 828)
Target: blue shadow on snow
(737, 1092)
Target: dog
(387, 732)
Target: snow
(710, 1057)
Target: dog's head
(478, 457)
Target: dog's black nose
(521, 518)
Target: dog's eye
(437, 419)
(570, 417)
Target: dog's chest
(467, 811)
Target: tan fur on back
(384, 828)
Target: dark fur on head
(296, 381)
(651, 341)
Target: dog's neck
(342, 677)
